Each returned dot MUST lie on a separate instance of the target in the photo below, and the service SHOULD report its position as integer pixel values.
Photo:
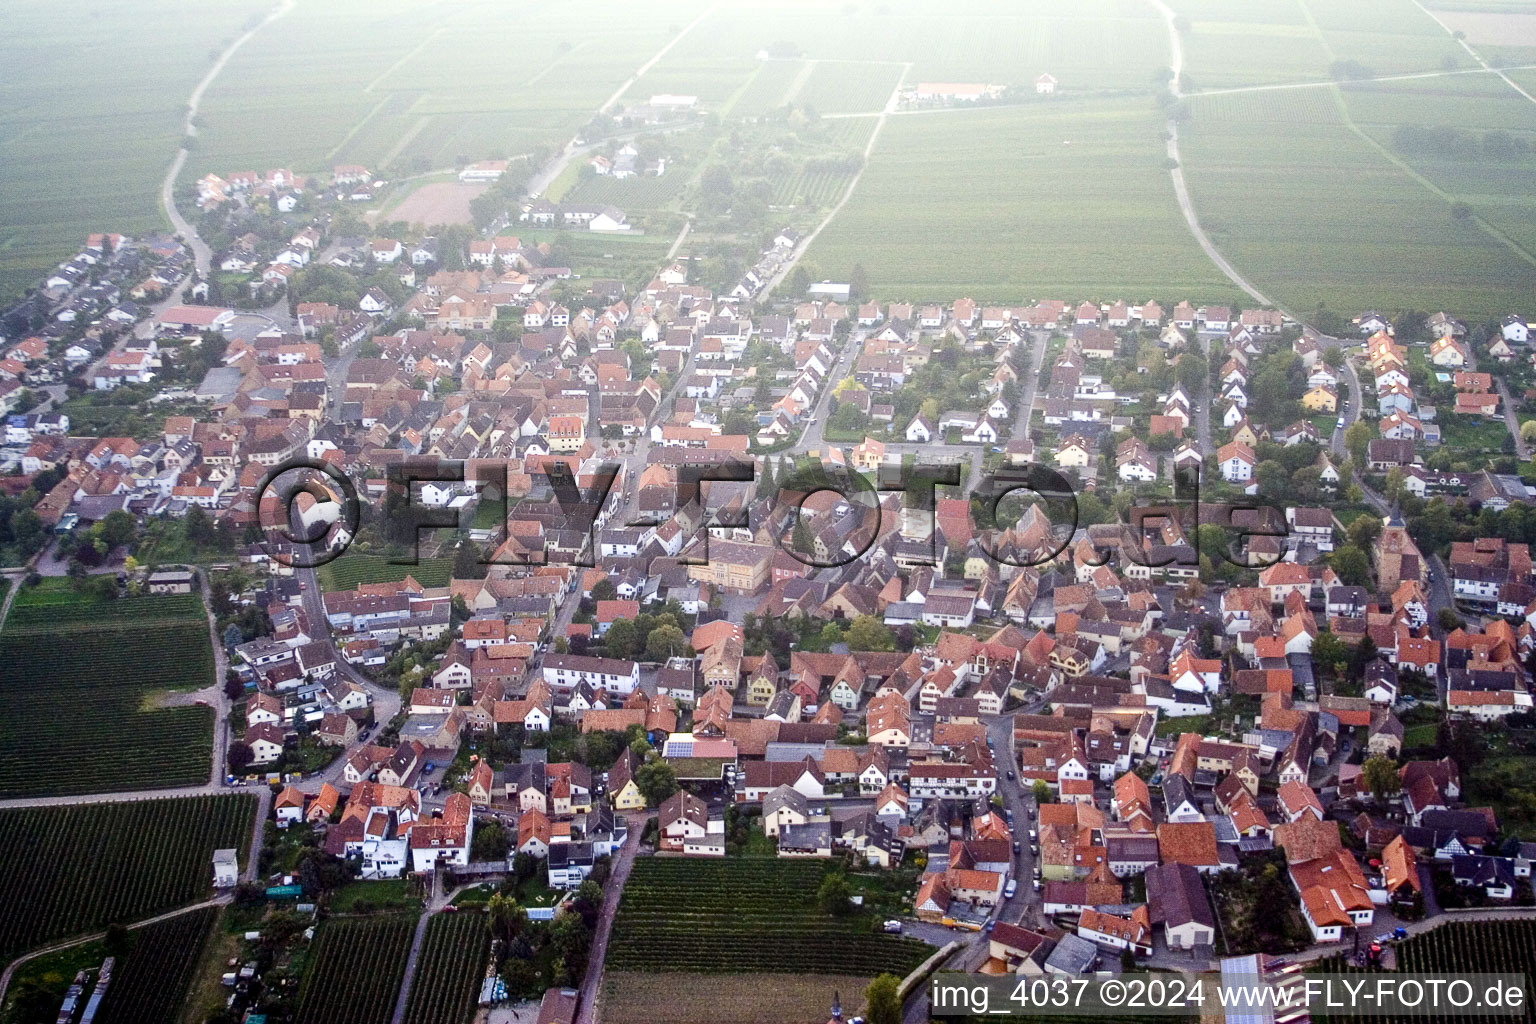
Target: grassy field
(354, 970)
(1088, 45)
(1501, 191)
(448, 975)
(688, 915)
(346, 572)
(1312, 213)
(85, 134)
(77, 868)
(118, 655)
(426, 84)
(1051, 200)
(148, 985)
(631, 998)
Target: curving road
(200, 251)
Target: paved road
(1031, 385)
(591, 984)
(1522, 450)
(1203, 408)
(811, 436)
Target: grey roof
(785, 796)
(1175, 895)
(809, 837)
(1072, 955)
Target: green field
(1311, 212)
(1088, 45)
(346, 572)
(426, 85)
(90, 117)
(453, 960)
(354, 970)
(77, 868)
(77, 715)
(689, 915)
(1051, 199)
(149, 984)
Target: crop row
(75, 868)
(680, 916)
(348, 571)
(148, 985)
(1480, 947)
(448, 976)
(810, 188)
(354, 970)
(77, 717)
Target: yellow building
(1321, 399)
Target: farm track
(1176, 167)
(853, 183)
(14, 965)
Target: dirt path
(1176, 166)
(200, 251)
(14, 965)
(591, 985)
(869, 147)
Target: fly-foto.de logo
(1023, 516)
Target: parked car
(1009, 889)
(893, 927)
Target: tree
(665, 642)
(1380, 775)
(656, 781)
(118, 528)
(1272, 478)
(867, 633)
(1357, 438)
(604, 590)
(232, 636)
(1448, 620)
(199, 530)
(622, 640)
(117, 940)
(490, 841)
(239, 756)
(1041, 791)
(801, 538)
(505, 919)
(858, 283)
(1364, 531)
(882, 1000)
(1353, 567)
(835, 897)
(467, 564)
(799, 281)
(234, 689)
(1330, 653)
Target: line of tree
(1460, 143)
